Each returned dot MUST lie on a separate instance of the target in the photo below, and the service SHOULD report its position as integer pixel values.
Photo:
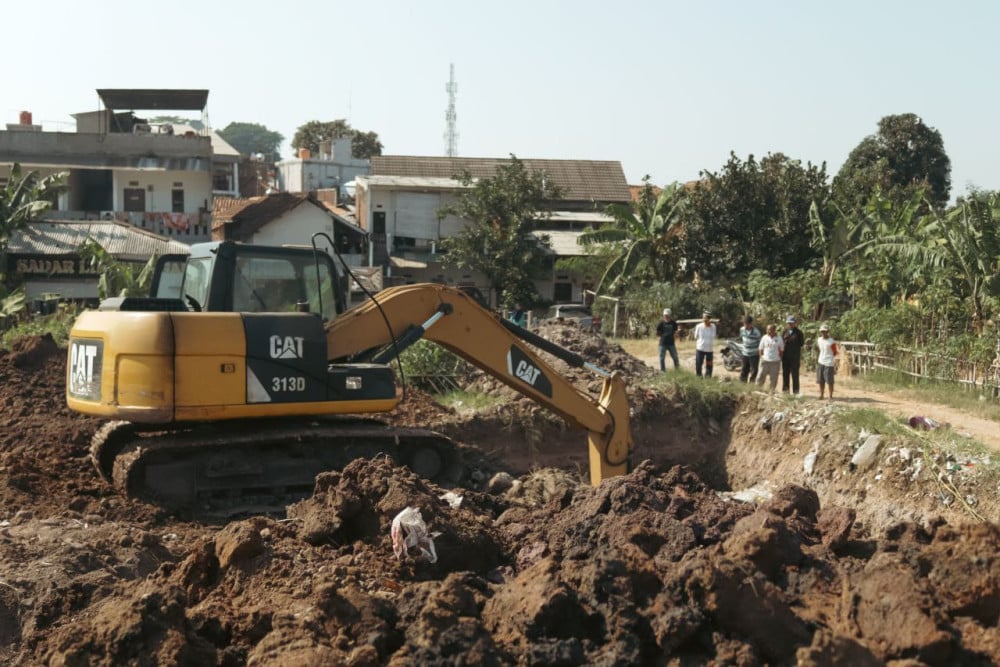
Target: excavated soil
(834, 562)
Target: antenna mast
(451, 133)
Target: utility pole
(451, 133)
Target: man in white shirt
(704, 342)
(772, 346)
(827, 347)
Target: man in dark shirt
(666, 330)
(792, 357)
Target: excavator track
(226, 469)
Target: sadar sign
(53, 266)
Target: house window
(135, 200)
(177, 201)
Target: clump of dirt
(655, 567)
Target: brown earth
(871, 564)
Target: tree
(903, 156)
(964, 242)
(751, 216)
(635, 244)
(309, 135)
(118, 279)
(497, 241)
(23, 198)
(250, 138)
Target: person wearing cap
(704, 344)
(666, 329)
(827, 347)
(791, 358)
(750, 337)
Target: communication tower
(451, 133)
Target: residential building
(119, 166)
(285, 218)
(398, 204)
(333, 168)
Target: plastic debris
(923, 423)
(865, 454)
(410, 538)
(809, 463)
(452, 498)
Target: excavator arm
(398, 316)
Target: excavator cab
(230, 277)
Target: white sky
(667, 88)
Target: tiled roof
(580, 180)
(121, 240)
(241, 217)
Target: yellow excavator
(244, 375)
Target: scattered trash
(452, 498)
(810, 462)
(409, 531)
(757, 494)
(865, 454)
(923, 423)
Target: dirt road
(852, 392)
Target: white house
(398, 204)
(334, 167)
(121, 167)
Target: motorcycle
(732, 355)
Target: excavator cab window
(277, 284)
(197, 277)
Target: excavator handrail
(483, 339)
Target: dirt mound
(650, 568)
(31, 352)
(656, 567)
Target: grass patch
(58, 324)
(468, 400)
(975, 402)
(702, 398)
(873, 421)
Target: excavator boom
(454, 320)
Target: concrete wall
(295, 227)
(307, 175)
(89, 149)
(197, 186)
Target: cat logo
(286, 347)
(521, 367)
(85, 369)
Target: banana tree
(962, 242)
(117, 278)
(633, 244)
(23, 198)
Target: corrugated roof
(580, 180)
(252, 213)
(171, 99)
(563, 243)
(64, 238)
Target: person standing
(750, 337)
(791, 358)
(704, 343)
(519, 316)
(666, 329)
(827, 347)
(772, 346)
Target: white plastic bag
(410, 538)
